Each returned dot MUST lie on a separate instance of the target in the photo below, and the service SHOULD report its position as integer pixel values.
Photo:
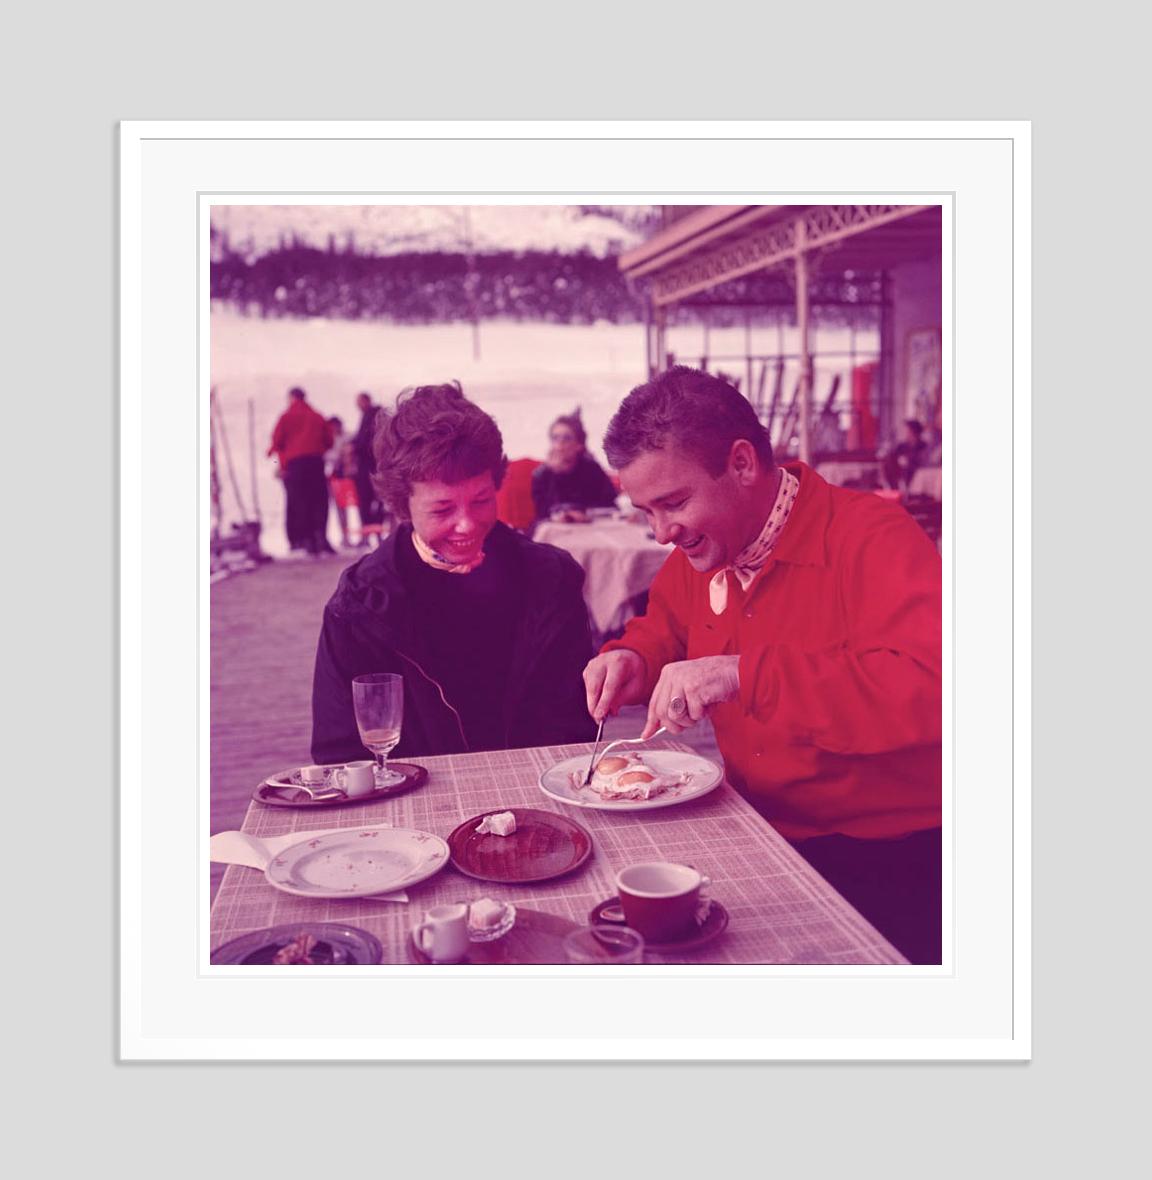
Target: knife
(592, 761)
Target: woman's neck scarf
(430, 557)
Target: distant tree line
(302, 280)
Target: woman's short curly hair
(434, 433)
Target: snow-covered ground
(526, 374)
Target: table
(850, 471)
(620, 559)
(780, 910)
(927, 481)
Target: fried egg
(628, 776)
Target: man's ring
(676, 705)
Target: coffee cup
(357, 778)
(443, 935)
(661, 899)
(312, 774)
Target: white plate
(557, 782)
(357, 863)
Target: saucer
(279, 790)
(333, 944)
(714, 924)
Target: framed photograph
(217, 341)
(922, 376)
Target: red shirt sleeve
(880, 689)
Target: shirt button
(747, 614)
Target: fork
(317, 794)
(619, 742)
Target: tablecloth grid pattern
(780, 910)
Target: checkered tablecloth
(780, 910)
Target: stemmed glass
(378, 700)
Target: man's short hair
(434, 433)
(702, 414)
(297, 393)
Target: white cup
(443, 935)
(357, 778)
(312, 774)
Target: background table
(780, 910)
(620, 559)
(927, 481)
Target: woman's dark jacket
(368, 627)
(586, 486)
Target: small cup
(312, 775)
(357, 778)
(661, 899)
(443, 935)
(604, 946)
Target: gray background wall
(72, 75)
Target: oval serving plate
(562, 782)
(536, 937)
(360, 862)
(544, 845)
(280, 789)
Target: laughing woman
(488, 629)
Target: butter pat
(486, 913)
(503, 823)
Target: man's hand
(687, 689)
(613, 679)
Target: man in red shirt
(300, 440)
(805, 620)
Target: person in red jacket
(300, 440)
(805, 620)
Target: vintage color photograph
(576, 584)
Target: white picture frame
(975, 1007)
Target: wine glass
(378, 700)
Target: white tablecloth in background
(620, 559)
(926, 481)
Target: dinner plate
(357, 863)
(329, 944)
(544, 845)
(280, 789)
(562, 782)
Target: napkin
(240, 848)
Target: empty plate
(357, 863)
(544, 845)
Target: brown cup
(660, 899)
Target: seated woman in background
(569, 481)
(488, 628)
